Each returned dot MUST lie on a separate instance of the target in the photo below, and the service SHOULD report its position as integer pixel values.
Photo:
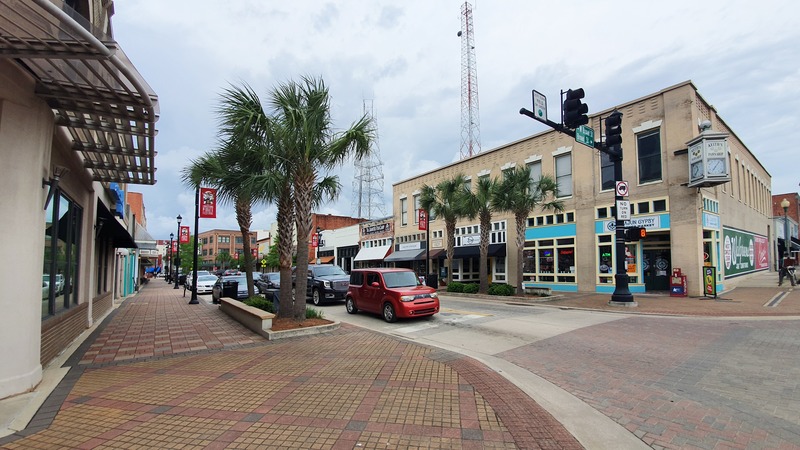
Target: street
(670, 381)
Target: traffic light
(575, 110)
(635, 233)
(614, 129)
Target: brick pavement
(163, 374)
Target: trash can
(230, 289)
(432, 280)
(273, 296)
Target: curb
(285, 334)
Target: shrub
(471, 288)
(260, 303)
(312, 313)
(455, 286)
(501, 289)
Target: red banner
(184, 235)
(314, 239)
(174, 246)
(254, 252)
(208, 203)
(423, 220)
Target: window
(415, 199)
(536, 173)
(607, 181)
(549, 261)
(403, 211)
(648, 146)
(61, 256)
(564, 175)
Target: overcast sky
(405, 57)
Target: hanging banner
(174, 246)
(314, 242)
(184, 235)
(423, 220)
(208, 203)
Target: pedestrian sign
(540, 106)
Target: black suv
(326, 282)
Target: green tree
(442, 202)
(231, 167)
(520, 195)
(224, 259)
(310, 148)
(478, 203)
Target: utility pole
(574, 118)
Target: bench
(253, 318)
(540, 291)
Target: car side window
(373, 278)
(356, 278)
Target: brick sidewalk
(160, 373)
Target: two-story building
(700, 208)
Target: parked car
(219, 288)
(393, 293)
(268, 280)
(205, 283)
(325, 283)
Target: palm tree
(442, 201)
(520, 195)
(478, 203)
(311, 148)
(231, 167)
(223, 258)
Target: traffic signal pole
(574, 115)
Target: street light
(319, 242)
(786, 242)
(169, 269)
(178, 252)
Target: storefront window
(499, 274)
(549, 261)
(62, 241)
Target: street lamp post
(169, 269)
(319, 242)
(178, 253)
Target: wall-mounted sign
(744, 252)
(708, 159)
(385, 227)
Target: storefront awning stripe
(372, 253)
(406, 255)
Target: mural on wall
(744, 252)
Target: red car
(393, 293)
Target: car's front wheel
(350, 304)
(388, 313)
(315, 298)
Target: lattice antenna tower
(368, 200)
(470, 118)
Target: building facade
(214, 243)
(77, 126)
(722, 222)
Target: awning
(108, 226)
(474, 251)
(372, 253)
(326, 259)
(438, 253)
(95, 92)
(406, 255)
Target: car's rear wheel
(315, 298)
(388, 313)
(350, 304)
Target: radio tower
(368, 200)
(470, 119)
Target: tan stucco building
(723, 221)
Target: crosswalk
(446, 316)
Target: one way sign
(622, 188)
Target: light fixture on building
(58, 173)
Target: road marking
(776, 299)
(445, 317)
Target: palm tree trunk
(303, 190)
(285, 242)
(245, 218)
(484, 253)
(520, 220)
(451, 244)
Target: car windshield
(326, 271)
(274, 276)
(206, 278)
(400, 279)
(240, 278)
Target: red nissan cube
(393, 293)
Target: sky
(404, 59)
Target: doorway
(656, 265)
